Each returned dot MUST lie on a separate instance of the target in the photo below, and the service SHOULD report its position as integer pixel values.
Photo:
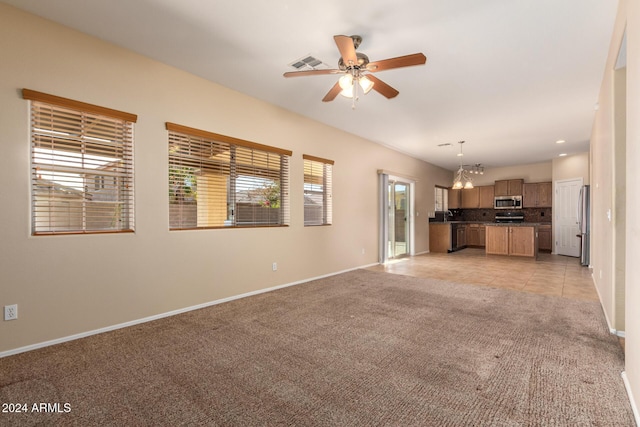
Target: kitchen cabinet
(544, 238)
(545, 195)
(454, 199)
(511, 240)
(522, 241)
(509, 187)
(537, 195)
(497, 240)
(475, 235)
(439, 237)
(476, 197)
(482, 235)
(486, 196)
(447, 236)
(470, 198)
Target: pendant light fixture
(462, 179)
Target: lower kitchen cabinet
(544, 238)
(439, 237)
(497, 242)
(475, 235)
(514, 241)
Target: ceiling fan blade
(347, 50)
(400, 61)
(383, 88)
(311, 72)
(331, 95)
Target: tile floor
(548, 275)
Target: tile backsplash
(488, 215)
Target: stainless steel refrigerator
(583, 223)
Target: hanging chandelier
(462, 179)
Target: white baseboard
(167, 314)
(634, 408)
(617, 333)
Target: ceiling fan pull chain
(356, 83)
(355, 96)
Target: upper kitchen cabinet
(454, 199)
(509, 187)
(537, 195)
(486, 196)
(477, 197)
(470, 198)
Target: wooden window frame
(237, 168)
(70, 144)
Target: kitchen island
(451, 236)
(512, 239)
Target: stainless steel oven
(507, 202)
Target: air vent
(446, 144)
(308, 63)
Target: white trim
(606, 317)
(617, 333)
(398, 176)
(612, 330)
(634, 408)
(556, 225)
(167, 314)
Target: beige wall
(632, 322)
(606, 196)
(570, 167)
(603, 188)
(67, 285)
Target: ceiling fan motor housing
(363, 61)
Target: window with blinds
(220, 181)
(317, 190)
(81, 167)
(441, 200)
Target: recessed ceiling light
(562, 154)
(560, 141)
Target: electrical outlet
(274, 266)
(11, 312)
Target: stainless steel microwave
(508, 202)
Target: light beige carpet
(362, 348)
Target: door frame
(385, 179)
(392, 240)
(556, 205)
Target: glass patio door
(398, 199)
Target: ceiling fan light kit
(356, 69)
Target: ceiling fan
(356, 68)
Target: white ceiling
(510, 77)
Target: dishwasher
(457, 242)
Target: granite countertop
(461, 222)
(515, 224)
(512, 224)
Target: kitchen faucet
(447, 214)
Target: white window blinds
(318, 209)
(441, 199)
(221, 181)
(81, 166)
